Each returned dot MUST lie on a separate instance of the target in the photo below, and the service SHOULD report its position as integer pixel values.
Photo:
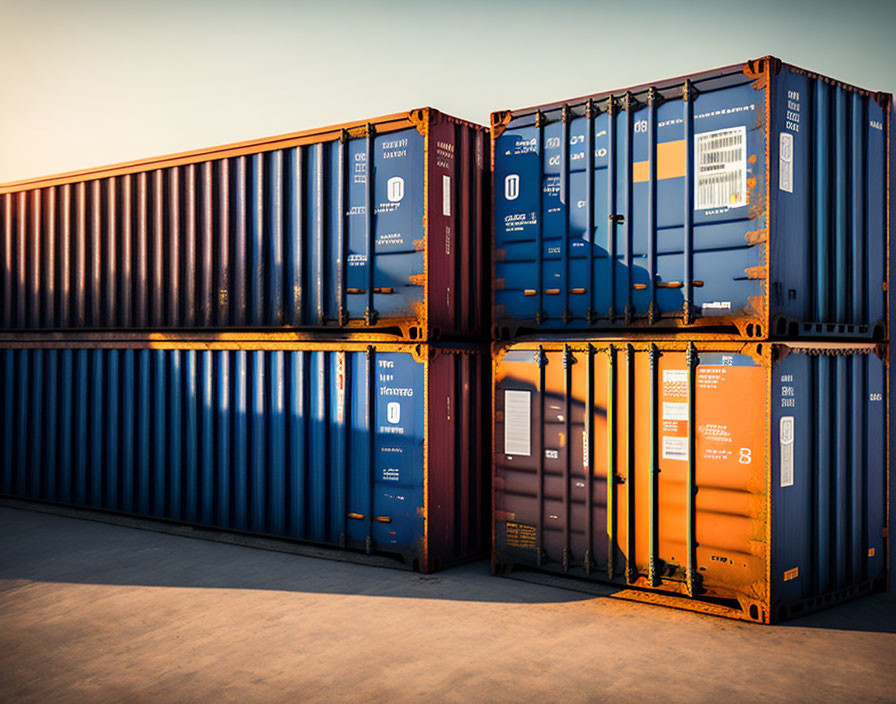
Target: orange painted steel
(686, 501)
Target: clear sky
(92, 82)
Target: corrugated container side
(336, 444)
(742, 479)
(271, 234)
(747, 201)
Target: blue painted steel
(823, 225)
(318, 444)
(829, 521)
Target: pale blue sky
(92, 82)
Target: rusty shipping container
(284, 232)
(748, 201)
(373, 447)
(743, 479)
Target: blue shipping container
(376, 447)
(751, 199)
(286, 232)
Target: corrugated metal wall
(295, 237)
(709, 470)
(750, 199)
(310, 442)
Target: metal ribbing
(319, 230)
(567, 464)
(652, 313)
(821, 196)
(612, 458)
(274, 238)
(257, 267)
(224, 275)
(630, 565)
(207, 253)
(841, 487)
(141, 293)
(34, 259)
(691, 484)
(295, 237)
(564, 201)
(173, 241)
(628, 195)
(688, 205)
(239, 306)
(369, 205)
(371, 442)
(841, 207)
(542, 392)
(611, 202)
(341, 235)
(157, 290)
(190, 216)
(858, 121)
(50, 266)
(113, 383)
(539, 220)
(297, 437)
(80, 283)
(589, 460)
(191, 436)
(126, 227)
(653, 496)
(6, 267)
(858, 470)
(591, 312)
(21, 264)
(111, 274)
(275, 494)
(258, 441)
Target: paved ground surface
(94, 612)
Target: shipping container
(373, 447)
(750, 201)
(743, 479)
(284, 232)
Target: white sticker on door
(446, 195)
(675, 448)
(720, 160)
(785, 162)
(786, 439)
(517, 423)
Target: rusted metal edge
(383, 124)
(421, 351)
(665, 84)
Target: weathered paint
(606, 217)
(287, 232)
(375, 447)
(749, 475)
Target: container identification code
(720, 159)
(520, 535)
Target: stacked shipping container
(747, 478)
(262, 337)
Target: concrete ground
(95, 612)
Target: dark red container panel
(373, 447)
(285, 232)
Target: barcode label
(675, 448)
(517, 423)
(720, 158)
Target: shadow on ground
(36, 546)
